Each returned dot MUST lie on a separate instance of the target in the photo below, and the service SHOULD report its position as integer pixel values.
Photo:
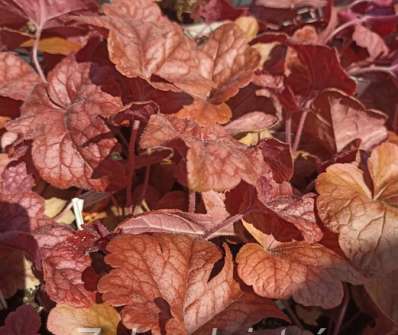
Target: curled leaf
(373, 42)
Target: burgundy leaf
(23, 321)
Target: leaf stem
(345, 26)
(35, 57)
(343, 310)
(131, 162)
(373, 68)
(300, 129)
(192, 202)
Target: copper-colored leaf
(310, 273)
(55, 45)
(215, 160)
(170, 221)
(66, 320)
(143, 43)
(370, 40)
(67, 149)
(205, 113)
(17, 78)
(384, 292)
(242, 315)
(365, 217)
(165, 279)
(230, 61)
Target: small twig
(300, 129)
(225, 223)
(343, 310)
(35, 57)
(288, 130)
(192, 202)
(131, 162)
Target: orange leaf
(66, 320)
(206, 114)
(55, 46)
(310, 273)
(364, 217)
(163, 279)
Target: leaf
(17, 78)
(287, 4)
(40, 12)
(143, 45)
(373, 43)
(318, 68)
(23, 321)
(20, 208)
(169, 221)
(55, 46)
(364, 217)
(205, 114)
(230, 161)
(65, 257)
(230, 61)
(66, 320)
(242, 315)
(384, 292)
(217, 10)
(165, 279)
(215, 205)
(337, 119)
(250, 122)
(310, 273)
(279, 157)
(12, 272)
(66, 150)
(249, 25)
(294, 209)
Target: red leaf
(217, 10)
(318, 69)
(17, 78)
(24, 321)
(12, 271)
(66, 150)
(215, 160)
(65, 257)
(337, 119)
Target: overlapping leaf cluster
(221, 169)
